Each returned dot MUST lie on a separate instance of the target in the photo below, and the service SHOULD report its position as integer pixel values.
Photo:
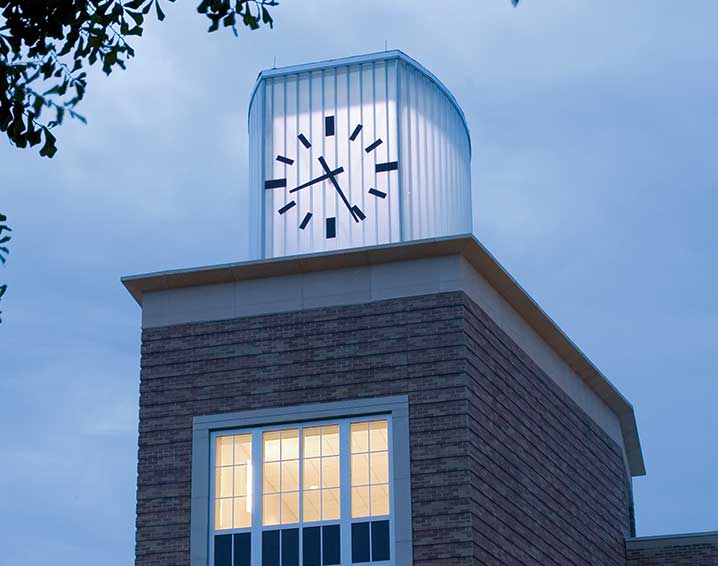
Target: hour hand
(318, 179)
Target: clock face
(322, 172)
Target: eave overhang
(466, 246)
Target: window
(280, 477)
(233, 482)
(321, 495)
(370, 469)
(321, 473)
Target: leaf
(137, 16)
(3, 289)
(267, 18)
(250, 20)
(34, 136)
(5, 239)
(215, 24)
(49, 149)
(229, 20)
(134, 4)
(160, 13)
(77, 116)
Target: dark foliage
(4, 239)
(47, 45)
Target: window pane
(330, 440)
(223, 514)
(360, 469)
(242, 448)
(290, 547)
(312, 442)
(243, 549)
(223, 550)
(290, 508)
(224, 451)
(360, 437)
(240, 481)
(242, 515)
(271, 446)
(379, 500)
(378, 438)
(379, 467)
(290, 444)
(331, 547)
(360, 542)
(270, 509)
(312, 478)
(360, 502)
(330, 472)
(271, 475)
(312, 505)
(380, 540)
(330, 504)
(223, 482)
(290, 475)
(270, 548)
(311, 547)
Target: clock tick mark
(390, 166)
(275, 183)
(377, 193)
(306, 220)
(356, 131)
(287, 207)
(358, 212)
(286, 160)
(305, 142)
(329, 126)
(331, 227)
(374, 145)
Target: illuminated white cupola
(355, 152)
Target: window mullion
(212, 491)
(345, 491)
(301, 493)
(257, 470)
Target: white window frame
(206, 429)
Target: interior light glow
(249, 486)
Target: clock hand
(338, 188)
(318, 180)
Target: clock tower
(371, 388)
(356, 152)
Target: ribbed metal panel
(394, 100)
(256, 175)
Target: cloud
(594, 182)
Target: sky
(595, 180)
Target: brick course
(506, 469)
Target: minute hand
(338, 188)
(317, 180)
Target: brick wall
(506, 469)
(548, 485)
(695, 550)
